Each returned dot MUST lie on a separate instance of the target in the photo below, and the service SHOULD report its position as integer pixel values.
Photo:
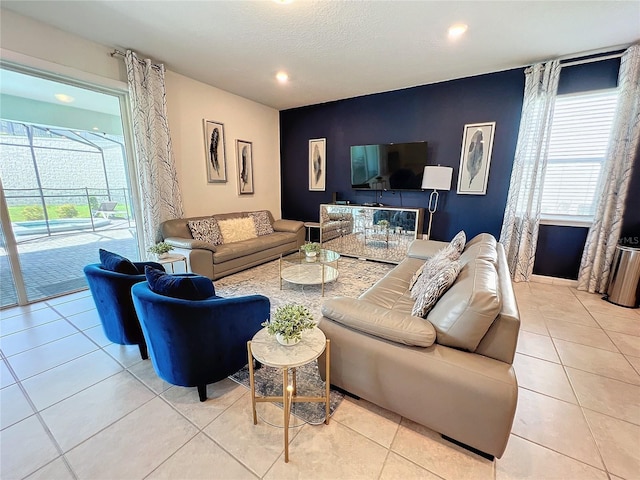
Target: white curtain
(156, 172)
(607, 224)
(519, 233)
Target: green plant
(33, 212)
(312, 247)
(384, 223)
(93, 203)
(67, 211)
(160, 248)
(290, 321)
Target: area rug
(355, 276)
(269, 383)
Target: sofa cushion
(379, 321)
(459, 241)
(206, 230)
(262, 223)
(186, 287)
(466, 311)
(117, 263)
(237, 229)
(434, 288)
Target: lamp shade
(437, 178)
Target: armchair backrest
(194, 342)
(111, 293)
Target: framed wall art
(215, 152)
(475, 158)
(317, 164)
(244, 154)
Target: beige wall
(188, 103)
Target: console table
(350, 229)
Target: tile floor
(74, 406)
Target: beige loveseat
(215, 261)
(463, 385)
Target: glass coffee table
(299, 269)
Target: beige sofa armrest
(291, 226)
(380, 322)
(425, 248)
(189, 243)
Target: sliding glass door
(65, 183)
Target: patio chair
(106, 209)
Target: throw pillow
(206, 230)
(435, 288)
(416, 276)
(186, 287)
(262, 223)
(237, 229)
(117, 263)
(432, 267)
(458, 242)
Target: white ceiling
(340, 49)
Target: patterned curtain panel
(157, 180)
(519, 232)
(607, 224)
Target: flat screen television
(390, 166)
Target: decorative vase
(162, 255)
(286, 342)
(311, 256)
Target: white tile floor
(74, 406)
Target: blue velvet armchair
(193, 343)
(111, 293)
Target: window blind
(580, 132)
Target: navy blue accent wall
(434, 113)
(559, 251)
(437, 114)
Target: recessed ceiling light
(64, 98)
(457, 30)
(282, 77)
(95, 128)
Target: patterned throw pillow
(459, 241)
(416, 276)
(262, 222)
(206, 230)
(237, 229)
(435, 288)
(432, 267)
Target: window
(578, 143)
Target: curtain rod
(570, 63)
(120, 53)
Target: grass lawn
(17, 213)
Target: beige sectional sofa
(462, 385)
(231, 256)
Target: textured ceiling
(340, 49)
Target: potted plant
(288, 323)
(160, 249)
(311, 249)
(383, 223)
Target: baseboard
(554, 281)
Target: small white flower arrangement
(383, 223)
(289, 322)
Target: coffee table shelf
(301, 270)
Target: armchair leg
(202, 392)
(143, 350)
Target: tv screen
(391, 166)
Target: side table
(309, 226)
(171, 259)
(266, 349)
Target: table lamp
(435, 178)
